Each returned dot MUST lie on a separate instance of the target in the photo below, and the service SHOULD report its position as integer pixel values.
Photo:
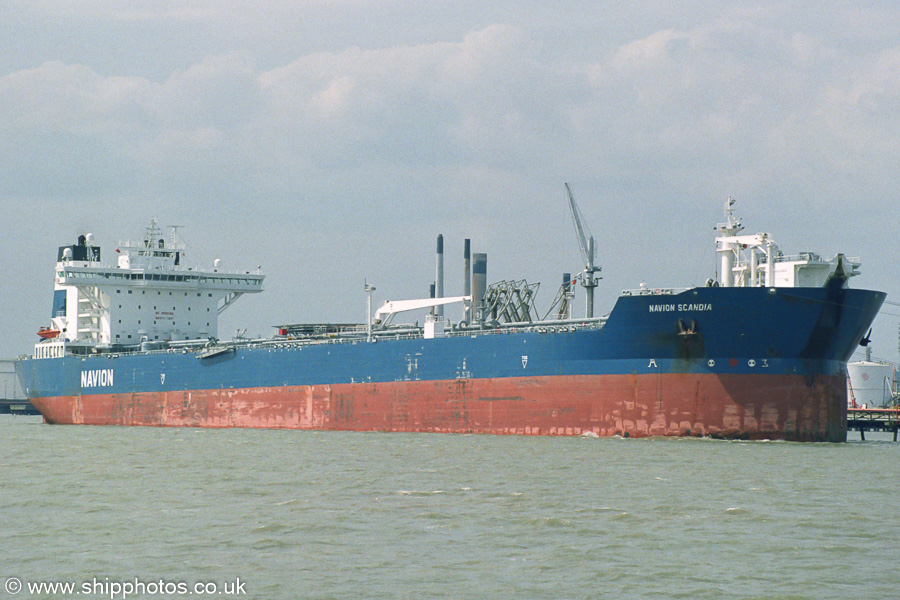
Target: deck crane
(588, 277)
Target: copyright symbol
(13, 585)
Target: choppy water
(365, 515)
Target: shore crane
(588, 277)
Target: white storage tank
(870, 383)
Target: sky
(331, 141)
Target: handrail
(405, 334)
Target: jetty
(17, 406)
(873, 419)
(12, 397)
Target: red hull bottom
(738, 406)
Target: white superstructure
(148, 295)
(755, 260)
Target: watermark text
(104, 587)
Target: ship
(758, 352)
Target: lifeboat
(47, 333)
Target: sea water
(141, 512)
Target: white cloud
(651, 52)
(474, 96)
(73, 99)
(700, 96)
(876, 87)
(221, 91)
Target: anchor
(689, 331)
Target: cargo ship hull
(724, 362)
(736, 406)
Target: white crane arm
(579, 229)
(392, 307)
